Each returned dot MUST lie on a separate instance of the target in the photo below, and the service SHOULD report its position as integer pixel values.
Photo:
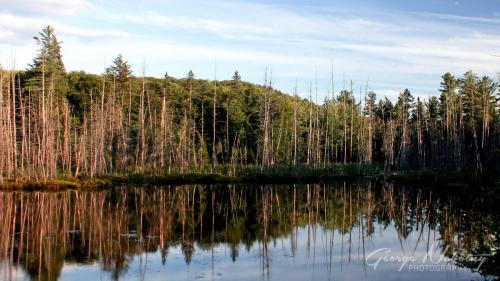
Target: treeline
(56, 123)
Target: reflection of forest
(39, 231)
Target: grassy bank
(55, 184)
(256, 175)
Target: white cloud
(463, 18)
(20, 29)
(44, 7)
(198, 24)
(300, 33)
(258, 21)
(90, 33)
(189, 53)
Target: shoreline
(402, 177)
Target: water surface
(341, 231)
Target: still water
(341, 231)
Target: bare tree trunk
(295, 128)
(214, 120)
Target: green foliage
(48, 63)
(49, 58)
(80, 86)
(119, 70)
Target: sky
(380, 45)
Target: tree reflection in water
(43, 231)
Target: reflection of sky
(309, 263)
(14, 273)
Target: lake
(338, 231)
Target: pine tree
(49, 61)
(486, 88)
(472, 107)
(236, 77)
(49, 54)
(121, 70)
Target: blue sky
(392, 45)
